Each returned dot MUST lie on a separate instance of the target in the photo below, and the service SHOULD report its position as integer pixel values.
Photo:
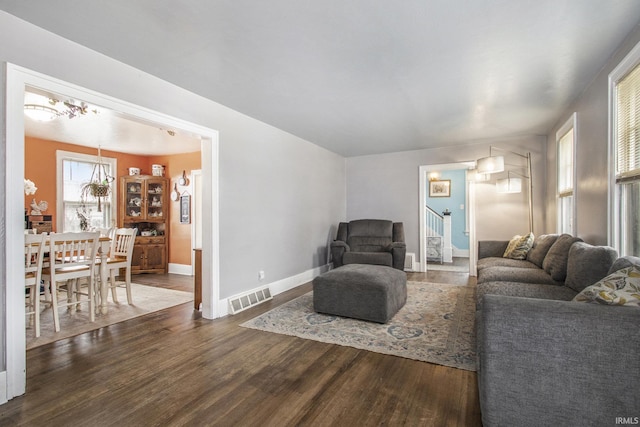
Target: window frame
(628, 64)
(80, 157)
(570, 125)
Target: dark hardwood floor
(175, 368)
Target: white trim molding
(181, 269)
(624, 67)
(279, 286)
(13, 380)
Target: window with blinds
(626, 149)
(565, 163)
(73, 213)
(565, 140)
(628, 125)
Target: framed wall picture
(185, 209)
(440, 188)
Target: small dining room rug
(436, 325)
(146, 299)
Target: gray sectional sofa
(543, 359)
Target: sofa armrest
(491, 248)
(395, 245)
(544, 362)
(398, 251)
(338, 248)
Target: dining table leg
(104, 285)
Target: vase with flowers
(29, 187)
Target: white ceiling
(362, 76)
(101, 127)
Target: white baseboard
(182, 269)
(3, 387)
(288, 283)
(279, 286)
(462, 253)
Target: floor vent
(409, 261)
(241, 302)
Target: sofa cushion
(511, 245)
(541, 246)
(519, 246)
(587, 264)
(526, 290)
(624, 262)
(369, 235)
(555, 263)
(374, 258)
(619, 288)
(491, 248)
(511, 274)
(503, 262)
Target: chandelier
(57, 108)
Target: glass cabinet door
(134, 200)
(155, 196)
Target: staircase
(439, 248)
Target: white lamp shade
(509, 185)
(474, 176)
(491, 164)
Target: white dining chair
(72, 256)
(105, 231)
(33, 257)
(120, 256)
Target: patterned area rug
(146, 299)
(436, 325)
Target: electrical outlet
(261, 275)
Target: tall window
(625, 150)
(565, 139)
(74, 170)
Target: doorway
(13, 373)
(444, 244)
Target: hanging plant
(99, 184)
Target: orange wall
(180, 234)
(40, 167)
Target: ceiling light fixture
(46, 113)
(40, 113)
(72, 110)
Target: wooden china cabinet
(144, 204)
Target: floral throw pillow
(619, 288)
(519, 246)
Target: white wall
(385, 186)
(591, 190)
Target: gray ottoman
(361, 291)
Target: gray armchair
(369, 241)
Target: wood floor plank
(175, 368)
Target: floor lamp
(495, 164)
